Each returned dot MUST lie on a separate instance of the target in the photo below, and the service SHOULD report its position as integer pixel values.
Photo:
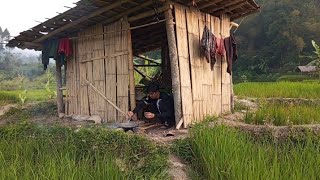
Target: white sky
(21, 15)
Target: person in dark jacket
(160, 106)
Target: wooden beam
(146, 58)
(231, 8)
(127, 12)
(84, 18)
(191, 2)
(173, 54)
(147, 14)
(209, 4)
(225, 6)
(239, 15)
(147, 65)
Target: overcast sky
(21, 15)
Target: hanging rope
(238, 26)
(156, 6)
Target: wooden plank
(226, 78)
(183, 57)
(119, 62)
(131, 74)
(111, 66)
(193, 42)
(122, 68)
(98, 69)
(202, 70)
(84, 101)
(78, 87)
(89, 68)
(217, 101)
(69, 73)
(207, 73)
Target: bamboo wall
(103, 60)
(210, 89)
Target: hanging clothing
(65, 49)
(231, 52)
(208, 46)
(220, 49)
(49, 50)
(45, 55)
(53, 50)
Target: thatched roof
(306, 69)
(90, 12)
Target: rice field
(37, 152)
(284, 114)
(31, 96)
(225, 153)
(307, 90)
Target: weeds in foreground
(36, 152)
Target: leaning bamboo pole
(104, 97)
(174, 63)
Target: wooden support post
(165, 66)
(131, 74)
(173, 54)
(59, 85)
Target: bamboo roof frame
(140, 13)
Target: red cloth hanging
(65, 47)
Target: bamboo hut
(106, 34)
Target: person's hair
(152, 87)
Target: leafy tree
(274, 40)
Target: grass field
(31, 96)
(278, 89)
(284, 114)
(36, 152)
(225, 153)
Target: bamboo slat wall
(226, 78)
(103, 60)
(210, 89)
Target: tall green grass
(38, 152)
(39, 159)
(284, 114)
(278, 89)
(225, 153)
(33, 95)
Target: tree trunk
(173, 54)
